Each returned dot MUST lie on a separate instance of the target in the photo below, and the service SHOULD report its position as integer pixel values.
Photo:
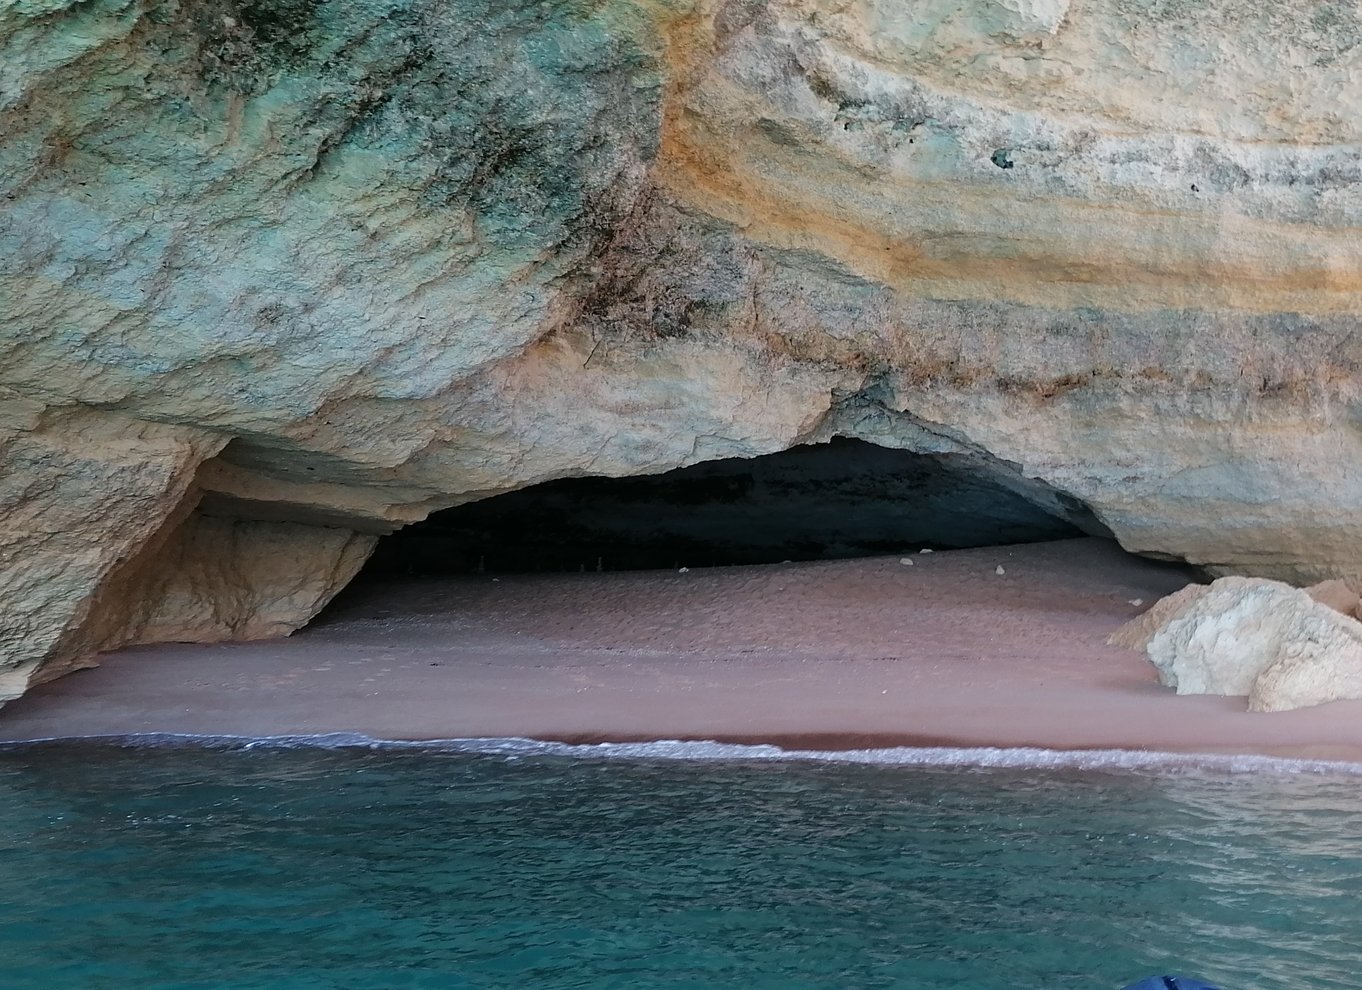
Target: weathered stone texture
(1280, 646)
(82, 495)
(391, 255)
(224, 579)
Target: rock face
(1276, 644)
(311, 270)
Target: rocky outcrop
(85, 496)
(323, 268)
(1137, 633)
(1281, 646)
(101, 546)
(217, 579)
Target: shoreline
(823, 657)
(714, 751)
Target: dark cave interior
(844, 498)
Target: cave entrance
(845, 498)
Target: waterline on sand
(964, 757)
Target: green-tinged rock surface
(301, 272)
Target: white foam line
(710, 751)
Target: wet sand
(829, 655)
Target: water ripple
(345, 862)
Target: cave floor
(837, 654)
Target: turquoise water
(354, 868)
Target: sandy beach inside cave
(840, 654)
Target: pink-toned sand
(841, 654)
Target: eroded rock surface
(324, 268)
(1283, 647)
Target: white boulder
(1276, 644)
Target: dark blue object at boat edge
(1171, 983)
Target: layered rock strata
(281, 277)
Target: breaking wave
(720, 752)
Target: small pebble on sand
(925, 550)
(683, 570)
(999, 570)
(906, 561)
(1137, 602)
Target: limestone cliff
(291, 273)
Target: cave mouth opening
(841, 499)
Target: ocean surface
(506, 865)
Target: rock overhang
(332, 267)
